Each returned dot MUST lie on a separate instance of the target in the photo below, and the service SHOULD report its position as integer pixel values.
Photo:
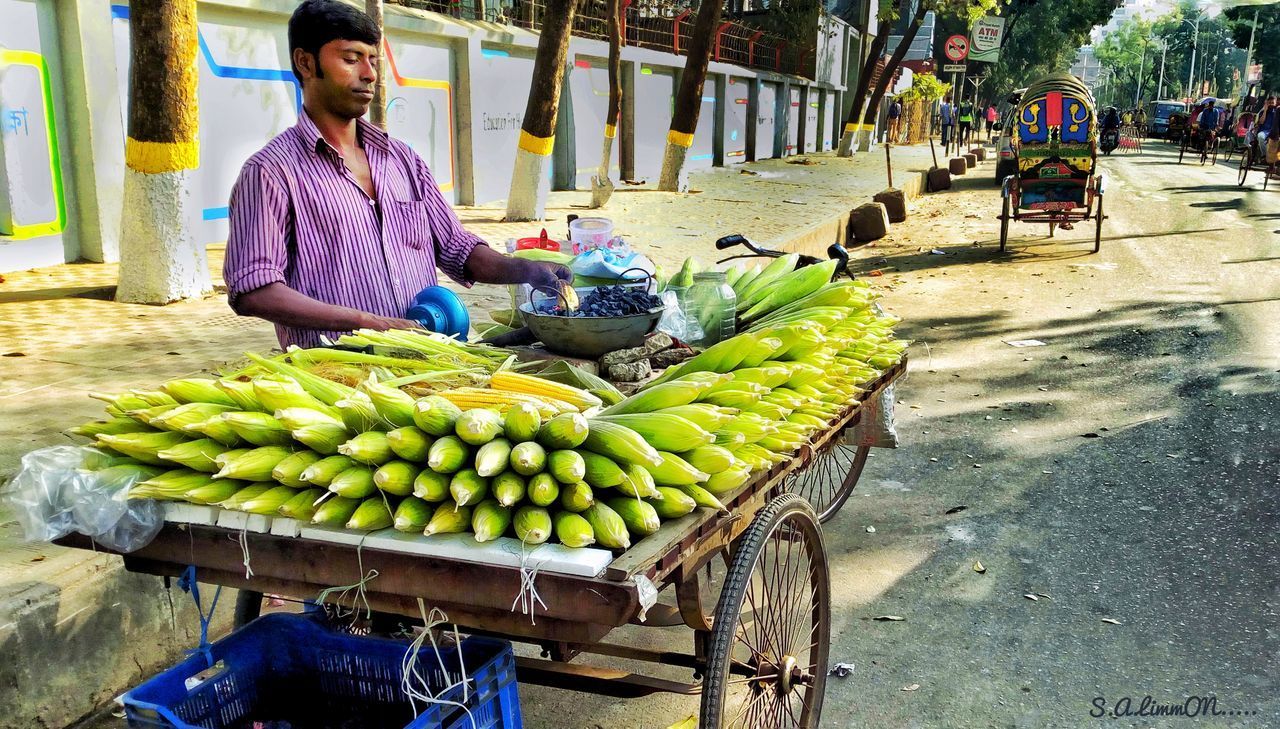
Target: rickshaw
(1055, 139)
(1254, 158)
(1238, 139)
(1179, 122)
(1197, 139)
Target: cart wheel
(1246, 162)
(767, 662)
(1097, 235)
(1052, 226)
(1004, 225)
(1183, 150)
(829, 479)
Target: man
(1210, 117)
(946, 115)
(1268, 130)
(895, 118)
(966, 122)
(992, 117)
(334, 225)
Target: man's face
(340, 80)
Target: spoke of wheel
(748, 706)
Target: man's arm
(279, 304)
(488, 266)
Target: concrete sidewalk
(75, 628)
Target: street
(1118, 484)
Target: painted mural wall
(766, 121)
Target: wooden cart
(753, 584)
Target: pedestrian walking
(947, 116)
(992, 116)
(895, 119)
(966, 122)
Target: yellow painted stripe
(859, 127)
(610, 131)
(540, 146)
(155, 157)
(680, 139)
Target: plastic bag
(675, 321)
(876, 427)
(608, 264)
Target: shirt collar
(368, 134)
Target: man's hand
(383, 323)
(486, 265)
(546, 275)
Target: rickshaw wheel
(767, 661)
(1183, 149)
(829, 478)
(1097, 234)
(1052, 226)
(1004, 224)
(1246, 162)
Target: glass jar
(712, 302)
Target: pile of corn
(512, 454)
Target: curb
(835, 229)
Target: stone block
(868, 222)
(895, 203)
(957, 166)
(654, 344)
(630, 371)
(970, 161)
(938, 180)
(670, 357)
(980, 153)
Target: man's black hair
(316, 22)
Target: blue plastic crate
(291, 668)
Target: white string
(414, 685)
(360, 596)
(528, 595)
(244, 552)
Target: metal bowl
(589, 337)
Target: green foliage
(1266, 43)
(925, 87)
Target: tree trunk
(851, 126)
(684, 120)
(891, 67)
(378, 108)
(160, 261)
(612, 8)
(529, 183)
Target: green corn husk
(111, 426)
(639, 483)
(321, 438)
(335, 512)
(521, 423)
(449, 518)
(354, 483)
(370, 448)
(324, 390)
(607, 526)
(322, 472)
(298, 417)
(508, 488)
(395, 406)
(215, 492)
(726, 481)
(675, 471)
(492, 457)
(673, 504)
(543, 490)
(528, 458)
(431, 486)
(435, 415)
(620, 443)
(119, 404)
(659, 397)
(573, 530)
(409, 443)
(144, 447)
(195, 454)
(709, 458)
(563, 432)
(602, 471)
(665, 432)
(467, 487)
(478, 426)
(170, 485)
(269, 502)
(303, 504)
(641, 518)
(190, 417)
(411, 515)
(371, 515)
(708, 417)
(113, 478)
(95, 459)
(396, 478)
(489, 520)
(576, 497)
(150, 414)
(221, 431)
(197, 389)
(258, 428)
(776, 269)
(279, 392)
(566, 466)
(532, 524)
(289, 471)
(237, 500)
(241, 393)
(730, 439)
(448, 455)
(358, 413)
(255, 465)
(703, 498)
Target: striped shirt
(299, 217)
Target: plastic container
(713, 303)
(590, 233)
(284, 667)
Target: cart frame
(1010, 191)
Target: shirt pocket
(409, 224)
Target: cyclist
(1209, 120)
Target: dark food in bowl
(606, 301)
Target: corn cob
(269, 501)
(766, 375)
(602, 471)
(489, 520)
(411, 515)
(576, 497)
(673, 504)
(708, 417)
(396, 478)
(254, 465)
(354, 483)
(468, 488)
(492, 457)
(214, 491)
(750, 459)
(120, 404)
(572, 530)
(197, 389)
(663, 431)
(745, 279)
(448, 455)
(358, 413)
(221, 431)
(811, 421)
(532, 524)
(723, 356)
(119, 476)
(322, 389)
(303, 505)
(478, 426)
(241, 393)
(528, 458)
(335, 512)
(435, 415)
(170, 485)
(323, 439)
(370, 448)
(709, 458)
(322, 472)
(563, 432)
(280, 392)
(508, 488)
(566, 466)
(409, 443)
(786, 289)
(449, 518)
(394, 406)
(236, 501)
(258, 428)
(619, 443)
(195, 454)
(776, 269)
(112, 426)
(661, 397)
(300, 417)
(727, 481)
(769, 411)
(371, 515)
(761, 350)
(187, 418)
(639, 483)
(778, 444)
(607, 526)
(703, 498)
(765, 455)
(470, 398)
(709, 379)
(675, 471)
(431, 486)
(641, 518)
(529, 385)
(521, 422)
(543, 490)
